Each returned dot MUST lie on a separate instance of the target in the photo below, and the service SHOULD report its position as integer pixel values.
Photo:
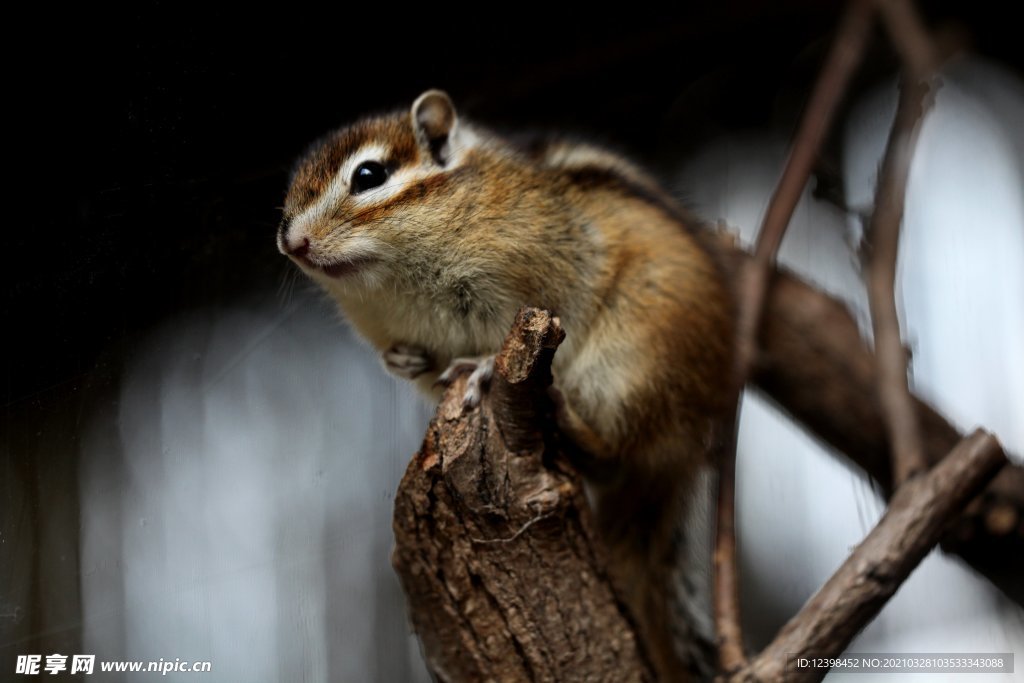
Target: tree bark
(495, 545)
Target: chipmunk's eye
(368, 175)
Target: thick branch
(912, 525)
(495, 546)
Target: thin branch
(828, 92)
(917, 51)
(916, 96)
(912, 525)
(728, 623)
(884, 231)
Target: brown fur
(324, 158)
(647, 312)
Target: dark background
(153, 144)
(151, 148)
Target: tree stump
(496, 547)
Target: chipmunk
(431, 232)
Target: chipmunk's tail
(659, 534)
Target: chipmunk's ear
(435, 121)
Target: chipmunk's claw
(481, 371)
(408, 362)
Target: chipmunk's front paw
(481, 370)
(408, 362)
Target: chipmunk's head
(369, 197)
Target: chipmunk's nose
(296, 246)
(292, 242)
